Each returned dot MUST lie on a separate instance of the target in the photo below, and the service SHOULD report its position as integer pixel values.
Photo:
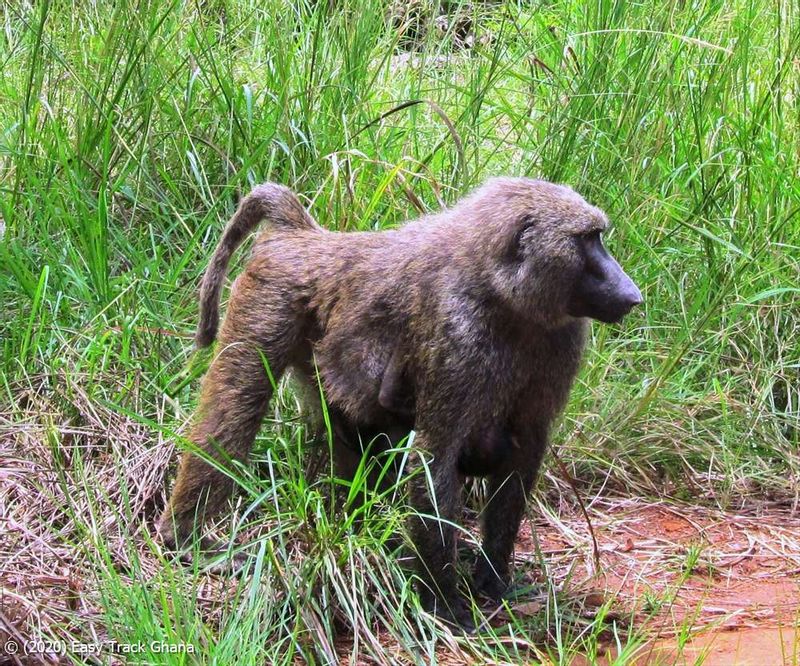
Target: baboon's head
(553, 265)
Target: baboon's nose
(631, 296)
(636, 299)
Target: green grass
(129, 129)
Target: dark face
(603, 291)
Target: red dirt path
(739, 604)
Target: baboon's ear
(520, 239)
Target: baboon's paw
(486, 583)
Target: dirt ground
(711, 587)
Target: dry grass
(69, 483)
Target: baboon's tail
(274, 203)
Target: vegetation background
(129, 129)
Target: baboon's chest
(547, 369)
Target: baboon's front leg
(509, 488)
(436, 496)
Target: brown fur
(474, 297)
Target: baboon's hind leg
(258, 333)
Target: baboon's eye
(594, 254)
(588, 239)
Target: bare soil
(711, 587)
(746, 647)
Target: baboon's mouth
(615, 315)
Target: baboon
(472, 321)
(478, 456)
